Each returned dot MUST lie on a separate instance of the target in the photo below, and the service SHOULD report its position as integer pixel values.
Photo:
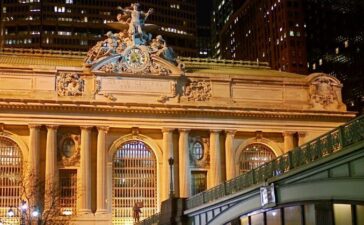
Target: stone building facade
(100, 128)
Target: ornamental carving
(69, 146)
(69, 84)
(132, 49)
(198, 91)
(165, 98)
(322, 91)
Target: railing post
(290, 161)
(254, 178)
(341, 137)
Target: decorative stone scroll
(198, 90)
(69, 146)
(69, 84)
(323, 91)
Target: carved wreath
(69, 84)
(69, 149)
(198, 91)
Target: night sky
(204, 8)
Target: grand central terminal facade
(100, 127)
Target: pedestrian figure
(136, 212)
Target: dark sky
(204, 8)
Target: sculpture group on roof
(132, 43)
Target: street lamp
(171, 189)
(23, 210)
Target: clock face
(136, 59)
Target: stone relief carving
(133, 50)
(69, 84)
(204, 161)
(322, 91)
(69, 146)
(198, 90)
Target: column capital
(86, 127)
(288, 133)
(52, 126)
(230, 132)
(184, 130)
(215, 131)
(103, 128)
(35, 126)
(301, 133)
(168, 129)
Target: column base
(101, 212)
(84, 212)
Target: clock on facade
(136, 59)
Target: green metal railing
(154, 219)
(319, 148)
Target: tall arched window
(134, 181)
(10, 175)
(253, 156)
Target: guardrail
(319, 148)
(154, 219)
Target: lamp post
(171, 188)
(23, 210)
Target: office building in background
(76, 24)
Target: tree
(39, 202)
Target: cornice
(172, 110)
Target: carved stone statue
(136, 23)
(132, 49)
(160, 48)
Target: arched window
(10, 175)
(134, 181)
(197, 150)
(253, 156)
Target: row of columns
(215, 175)
(51, 170)
(184, 175)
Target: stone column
(51, 170)
(215, 173)
(301, 138)
(167, 153)
(85, 171)
(184, 171)
(288, 140)
(101, 171)
(34, 150)
(229, 154)
(32, 177)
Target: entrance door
(134, 181)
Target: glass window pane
(292, 215)
(254, 155)
(342, 214)
(244, 220)
(134, 181)
(310, 215)
(257, 219)
(360, 214)
(199, 181)
(274, 217)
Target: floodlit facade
(100, 127)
